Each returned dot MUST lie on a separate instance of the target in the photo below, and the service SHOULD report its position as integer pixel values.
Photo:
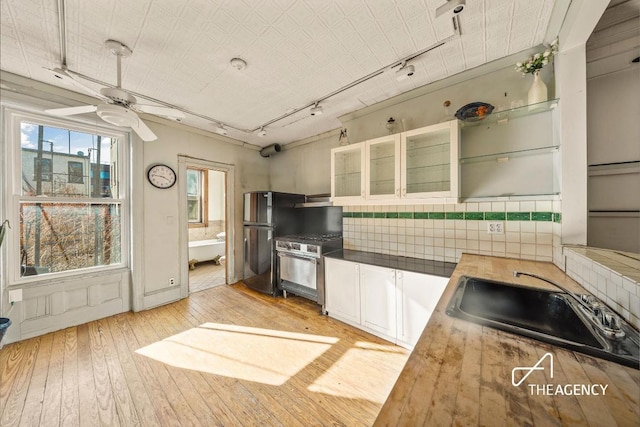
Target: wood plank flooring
(225, 356)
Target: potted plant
(533, 65)
(5, 322)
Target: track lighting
(405, 71)
(316, 110)
(221, 130)
(451, 7)
(262, 132)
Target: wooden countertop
(459, 373)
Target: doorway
(207, 228)
(207, 231)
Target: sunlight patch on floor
(254, 354)
(378, 367)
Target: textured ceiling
(297, 51)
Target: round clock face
(161, 176)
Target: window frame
(12, 192)
(204, 199)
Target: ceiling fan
(119, 107)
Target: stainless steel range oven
(301, 264)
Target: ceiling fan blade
(160, 111)
(70, 111)
(143, 131)
(67, 77)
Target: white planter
(538, 90)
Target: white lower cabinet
(341, 296)
(392, 304)
(377, 294)
(416, 297)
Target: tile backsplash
(205, 233)
(531, 230)
(612, 276)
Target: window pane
(193, 182)
(63, 237)
(65, 163)
(76, 175)
(193, 209)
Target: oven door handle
(300, 257)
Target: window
(42, 169)
(197, 197)
(75, 172)
(67, 221)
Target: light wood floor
(224, 356)
(206, 275)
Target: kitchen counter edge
(417, 265)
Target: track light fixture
(405, 71)
(451, 7)
(316, 110)
(221, 130)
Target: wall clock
(161, 176)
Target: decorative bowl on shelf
(474, 112)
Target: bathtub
(206, 250)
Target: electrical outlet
(495, 227)
(15, 296)
(172, 281)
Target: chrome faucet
(604, 318)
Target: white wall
(216, 196)
(160, 238)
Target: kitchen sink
(555, 317)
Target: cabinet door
(347, 173)
(418, 295)
(378, 300)
(429, 161)
(342, 290)
(383, 167)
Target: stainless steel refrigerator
(267, 215)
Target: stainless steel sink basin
(553, 317)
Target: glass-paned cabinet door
(383, 167)
(430, 161)
(347, 172)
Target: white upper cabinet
(402, 168)
(430, 161)
(383, 167)
(348, 173)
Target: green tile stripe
(542, 216)
(495, 216)
(454, 215)
(475, 216)
(468, 216)
(518, 216)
